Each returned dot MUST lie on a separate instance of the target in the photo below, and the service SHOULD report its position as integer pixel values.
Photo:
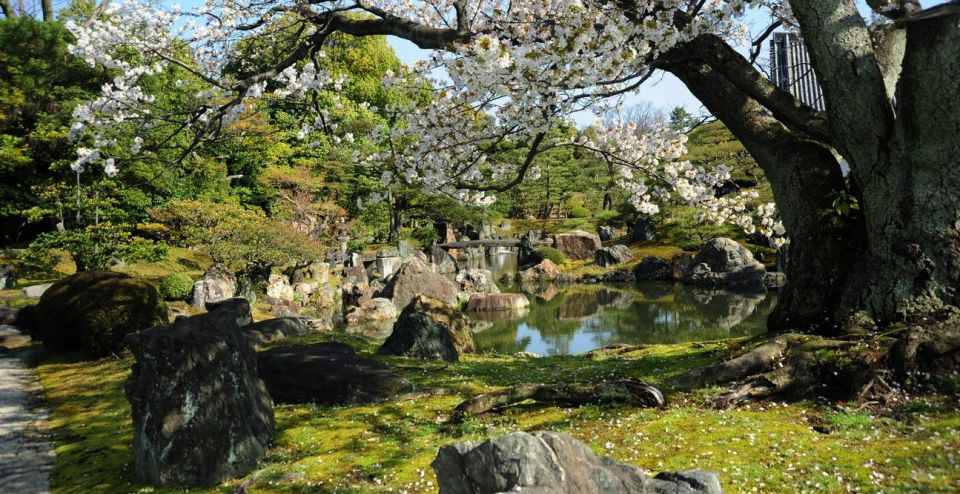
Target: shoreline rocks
(429, 328)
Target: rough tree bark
(912, 203)
(902, 153)
(802, 171)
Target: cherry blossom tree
(514, 69)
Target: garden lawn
(388, 447)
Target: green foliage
(176, 286)
(92, 311)
(381, 447)
(425, 235)
(712, 144)
(38, 261)
(579, 212)
(98, 247)
(554, 255)
(680, 119)
(609, 216)
(236, 237)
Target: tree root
(624, 391)
(798, 366)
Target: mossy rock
(92, 311)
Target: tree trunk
(802, 173)
(47, 7)
(913, 208)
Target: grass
(388, 447)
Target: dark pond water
(580, 318)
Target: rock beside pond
(92, 311)
(327, 374)
(577, 244)
(442, 262)
(774, 280)
(414, 278)
(201, 414)
(724, 262)
(216, 284)
(543, 272)
(552, 463)
(373, 310)
(489, 302)
(429, 328)
(653, 268)
(614, 254)
(477, 281)
(276, 329)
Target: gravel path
(26, 454)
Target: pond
(571, 319)
(579, 318)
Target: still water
(574, 319)
(579, 318)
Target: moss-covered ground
(770, 447)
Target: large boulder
(279, 289)
(201, 414)
(373, 310)
(477, 281)
(723, 262)
(354, 275)
(442, 262)
(615, 254)
(643, 231)
(429, 328)
(328, 374)
(92, 311)
(606, 233)
(35, 291)
(216, 284)
(490, 302)
(577, 244)
(544, 272)
(355, 294)
(653, 268)
(552, 463)
(276, 329)
(415, 278)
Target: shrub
(554, 255)
(98, 247)
(609, 215)
(92, 311)
(425, 235)
(176, 286)
(580, 212)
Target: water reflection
(579, 318)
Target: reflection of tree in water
(582, 317)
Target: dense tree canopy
(514, 71)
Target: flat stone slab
(26, 452)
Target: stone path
(26, 453)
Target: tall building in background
(790, 69)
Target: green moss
(388, 447)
